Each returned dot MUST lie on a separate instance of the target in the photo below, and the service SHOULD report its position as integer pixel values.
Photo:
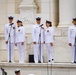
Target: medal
(13, 27)
(47, 30)
(19, 30)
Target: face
(47, 24)
(19, 24)
(18, 73)
(10, 20)
(38, 21)
(74, 22)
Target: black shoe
(49, 61)
(9, 61)
(39, 61)
(52, 59)
(75, 62)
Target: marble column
(54, 12)
(44, 10)
(27, 11)
(67, 11)
(10, 7)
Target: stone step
(40, 68)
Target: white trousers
(38, 55)
(21, 51)
(73, 53)
(10, 52)
(50, 52)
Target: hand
(70, 44)
(6, 42)
(15, 44)
(42, 27)
(34, 42)
(22, 43)
(51, 44)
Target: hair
(22, 25)
(50, 24)
(16, 72)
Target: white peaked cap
(17, 69)
(10, 16)
(30, 74)
(19, 19)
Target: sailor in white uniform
(20, 41)
(72, 39)
(49, 41)
(10, 39)
(38, 41)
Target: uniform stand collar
(74, 25)
(10, 24)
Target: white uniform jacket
(10, 30)
(72, 34)
(35, 34)
(49, 33)
(20, 34)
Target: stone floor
(40, 69)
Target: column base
(63, 29)
(63, 25)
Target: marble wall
(8, 7)
(47, 10)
